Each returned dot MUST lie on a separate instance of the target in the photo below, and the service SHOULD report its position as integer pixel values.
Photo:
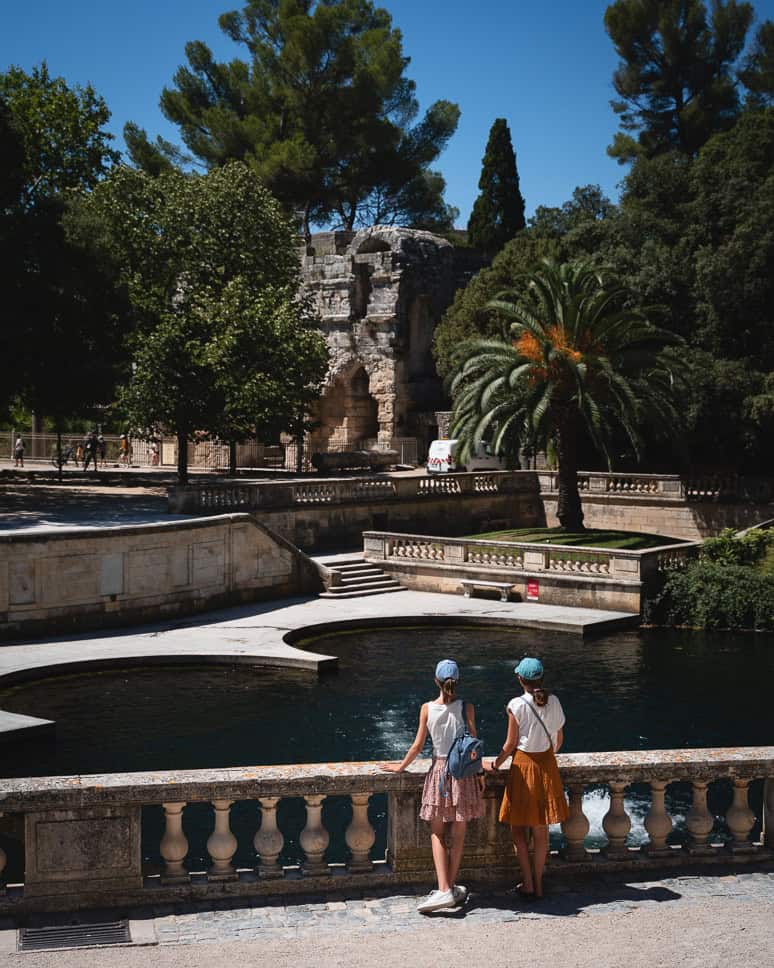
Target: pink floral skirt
(447, 799)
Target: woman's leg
(440, 854)
(457, 837)
(519, 838)
(540, 848)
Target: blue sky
(545, 67)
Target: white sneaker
(460, 893)
(435, 901)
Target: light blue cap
(447, 669)
(529, 669)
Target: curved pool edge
(14, 726)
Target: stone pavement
(704, 919)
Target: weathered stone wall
(379, 293)
(74, 579)
(675, 519)
(340, 526)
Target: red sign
(533, 591)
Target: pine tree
(498, 213)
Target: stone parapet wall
(82, 835)
(74, 579)
(335, 511)
(687, 521)
(611, 579)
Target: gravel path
(702, 921)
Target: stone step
(335, 563)
(376, 582)
(362, 594)
(347, 579)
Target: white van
(442, 459)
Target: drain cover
(74, 936)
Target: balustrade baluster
(576, 827)
(174, 845)
(616, 822)
(658, 823)
(699, 821)
(222, 844)
(740, 819)
(314, 837)
(269, 839)
(360, 835)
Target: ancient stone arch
(379, 294)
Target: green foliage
(571, 357)
(322, 112)
(728, 548)
(757, 73)
(61, 130)
(708, 594)
(60, 354)
(498, 212)
(676, 80)
(223, 346)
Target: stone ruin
(379, 294)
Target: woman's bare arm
(559, 740)
(416, 747)
(510, 744)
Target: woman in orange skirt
(534, 794)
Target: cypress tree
(498, 212)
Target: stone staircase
(356, 578)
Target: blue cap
(447, 669)
(529, 669)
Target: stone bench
(504, 587)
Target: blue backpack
(464, 757)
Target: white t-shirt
(444, 723)
(532, 736)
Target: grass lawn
(631, 540)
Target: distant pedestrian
(154, 449)
(102, 450)
(79, 453)
(18, 453)
(123, 449)
(90, 451)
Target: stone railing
(535, 559)
(83, 834)
(220, 498)
(667, 487)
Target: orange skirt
(534, 794)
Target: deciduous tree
(223, 347)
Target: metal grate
(74, 936)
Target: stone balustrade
(667, 487)
(264, 495)
(536, 559)
(83, 834)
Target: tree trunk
(182, 458)
(232, 454)
(569, 509)
(300, 453)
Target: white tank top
(444, 723)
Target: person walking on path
(102, 450)
(534, 795)
(18, 453)
(447, 803)
(90, 451)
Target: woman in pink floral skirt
(447, 803)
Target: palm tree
(571, 356)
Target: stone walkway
(718, 919)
